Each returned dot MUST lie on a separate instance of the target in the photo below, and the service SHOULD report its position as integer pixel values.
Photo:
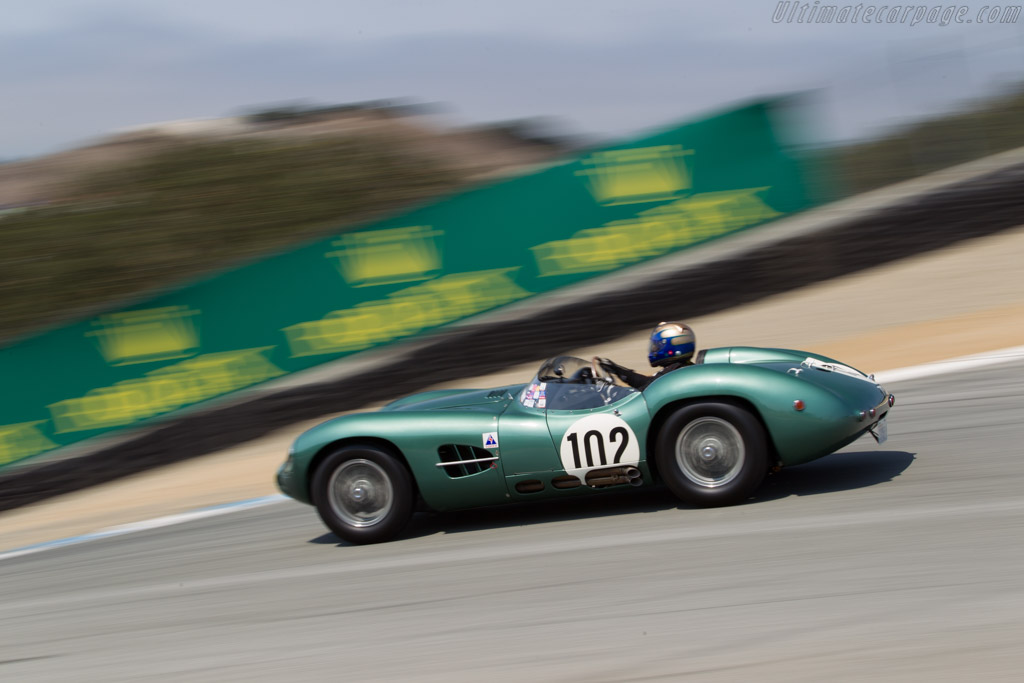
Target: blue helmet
(671, 343)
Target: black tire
(712, 454)
(363, 494)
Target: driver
(672, 346)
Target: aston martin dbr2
(709, 431)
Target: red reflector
(871, 412)
(798, 404)
(892, 400)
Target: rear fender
(796, 436)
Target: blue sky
(73, 71)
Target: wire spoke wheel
(361, 493)
(710, 452)
(364, 494)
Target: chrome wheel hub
(710, 452)
(361, 492)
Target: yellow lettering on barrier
(21, 440)
(639, 174)
(405, 312)
(164, 390)
(653, 232)
(384, 257)
(146, 336)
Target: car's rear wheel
(712, 454)
(363, 494)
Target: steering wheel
(599, 372)
(582, 376)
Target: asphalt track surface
(897, 562)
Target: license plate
(881, 431)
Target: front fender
(415, 436)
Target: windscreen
(567, 383)
(561, 368)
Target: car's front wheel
(363, 494)
(712, 454)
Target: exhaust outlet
(614, 476)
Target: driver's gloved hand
(610, 366)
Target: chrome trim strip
(463, 462)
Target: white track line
(145, 525)
(889, 376)
(943, 367)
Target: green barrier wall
(393, 279)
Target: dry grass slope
(159, 207)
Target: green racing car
(710, 432)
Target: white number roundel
(598, 441)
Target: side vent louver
(460, 460)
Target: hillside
(157, 206)
(978, 129)
(154, 207)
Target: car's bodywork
(565, 435)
